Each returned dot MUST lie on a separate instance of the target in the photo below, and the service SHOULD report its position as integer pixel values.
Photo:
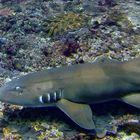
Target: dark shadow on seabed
(107, 117)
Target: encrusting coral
(64, 23)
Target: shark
(74, 88)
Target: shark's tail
(132, 76)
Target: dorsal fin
(81, 114)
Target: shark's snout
(1, 92)
(10, 92)
(4, 93)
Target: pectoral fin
(133, 99)
(81, 114)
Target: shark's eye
(19, 90)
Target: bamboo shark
(73, 88)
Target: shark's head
(30, 91)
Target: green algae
(10, 134)
(64, 23)
(120, 19)
(45, 131)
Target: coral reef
(129, 123)
(39, 34)
(43, 132)
(107, 2)
(64, 23)
(120, 19)
(6, 12)
(10, 134)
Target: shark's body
(73, 88)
